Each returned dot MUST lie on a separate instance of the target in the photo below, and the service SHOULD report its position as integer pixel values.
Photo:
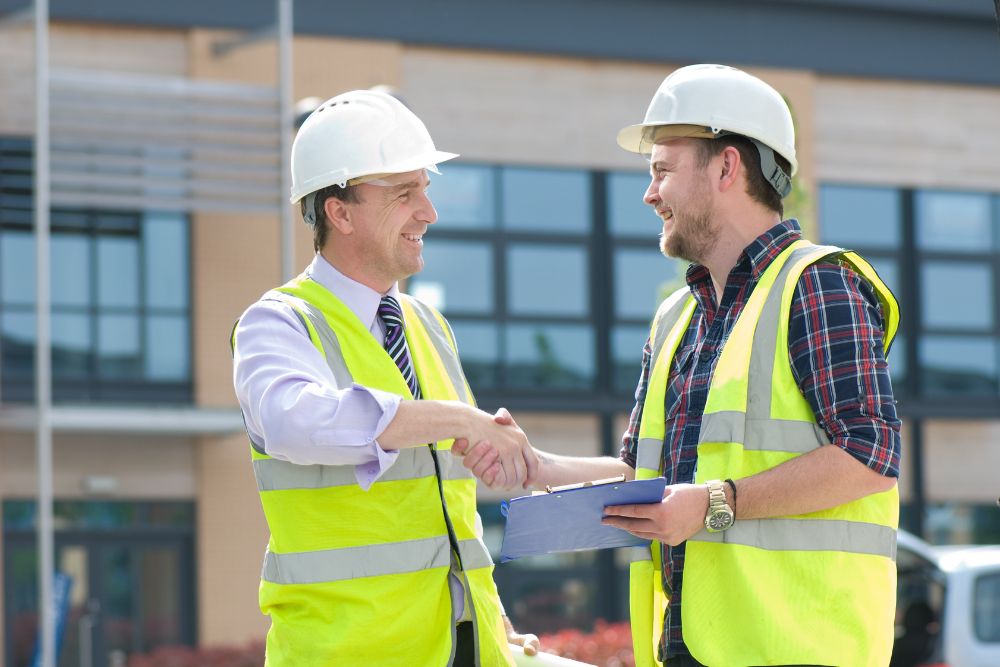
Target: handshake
(497, 451)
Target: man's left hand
(677, 517)
(528, 642)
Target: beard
(693, 236)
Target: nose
(427, 213)
(652, 196)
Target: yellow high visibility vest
(818, 588)
(355, 577)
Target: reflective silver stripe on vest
(274, 475)
(639, 554)
(768, 434)
(315, 567)
(766, 339)
(452, 467)
(412, 463)
(808, 535)
(649, 454)
(474, 554)
(669, 312)
(331, 346)
(756, 430)
(443, 346)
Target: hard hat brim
(634, 137)
(427, 161)
(637, 139)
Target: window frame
(915, 400)
(93, 386)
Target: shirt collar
(763, 249)
(362, 300)
(757, 256)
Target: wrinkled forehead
(415, 177)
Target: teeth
(413, 237)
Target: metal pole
(43, 351)
(285, 34)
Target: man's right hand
(501, 457)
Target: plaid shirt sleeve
(630, 439)
(835, 343)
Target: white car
(948, 605)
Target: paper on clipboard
(570, 519)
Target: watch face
(720, 520)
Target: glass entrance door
(129, 594)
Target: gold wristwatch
(720, 515)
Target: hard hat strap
(309, 213)
(774, 174)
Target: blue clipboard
(570, 519)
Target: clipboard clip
(583, 485)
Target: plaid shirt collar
(752, 262)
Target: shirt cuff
(367, 474)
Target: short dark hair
(347, 194)
(758, 187)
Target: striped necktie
(395, 341)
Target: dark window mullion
(601, 282)
(96, 235)
(910, 286)
(500, 284)
(143, 310)
(996, 269)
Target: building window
(121, 303)
(509, 265)
(550, 277)
(939, 252)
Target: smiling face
(388, 224)
(681, 194)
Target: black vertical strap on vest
(444, 507)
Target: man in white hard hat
(764, 400)
(376, 554)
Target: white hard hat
(709, 101)
(357, 134)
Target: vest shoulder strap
(666, 317)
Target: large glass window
(121, 314)
(855, 214)
(549, 277)
(939, 252)
(556, 200)
(464, 196)
(509, 263)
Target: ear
(338, 215)
(732, 165)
